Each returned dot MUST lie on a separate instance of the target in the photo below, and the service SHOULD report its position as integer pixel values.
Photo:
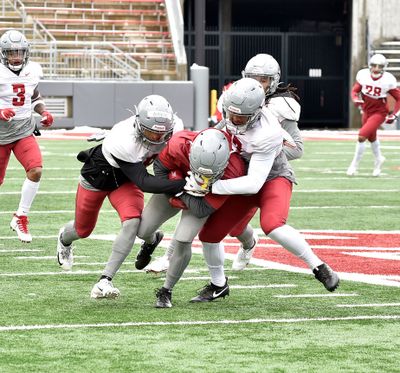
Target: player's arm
(138, 174)
(355, 94)
(291, 127)
(395, 93)
(259, 168)
(39, 107)
(199, 207)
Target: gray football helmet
(264, 65)
(209, 154)
(377, 65)
(242, 104)
(154, 121)
(14, 50)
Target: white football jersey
(124, 142)
(378, 88)
(284, 108)
(260, 145)
(16, 90)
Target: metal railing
(87, 62)
(93, 60)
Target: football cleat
(143, 258)
(243, 256)
(65, 255)
(211, 292)
(19, 224)
(163, 298)
(104, 289)
(159, 265)
(352, 170)
(377, 166)
(327, 276)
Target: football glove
(197, 185)
(47, 119)
(390, 118)
(7, 114)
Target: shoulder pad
(284, 108)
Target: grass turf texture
(280, 343)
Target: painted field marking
(262, 286)
(18, 250)
(369, 305)
(330, 295)
(376, 255)
(52, 257)
(185, 323)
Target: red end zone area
(372, 257)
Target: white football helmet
(377, 65)
(264, 66)
(242, 104)
(209, 154)
(14, 50)
(154, 121)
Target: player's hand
(47, 119)
(358, 102)
(177, 203)
(197, 185)
(7, 114)
(390, 118)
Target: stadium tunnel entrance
(309, 38)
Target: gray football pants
(157, 211)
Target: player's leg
(87, 207)
(370, 132)
(185, 232)
(128, 201)
(28, 154)
(157, 211)
(218, 225)
(274, 209)
(360, 148)
(248, 238)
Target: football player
(19, 95)
(283, 102)
(207, 156)
(269, 181)
(369, 93)
(116, 169)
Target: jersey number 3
(19, 90)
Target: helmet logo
(158, 114)
(234, 109)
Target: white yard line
(262, 286)
(330, 295)
(369, 305)
(191, 322)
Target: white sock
(376, 149)
(214, 255)
(293, 241)
(246, 238)
(360, 147)
(28, 193)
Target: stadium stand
(109, 38)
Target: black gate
(316, 63)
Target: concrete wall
(102, 104)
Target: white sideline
(185, 323)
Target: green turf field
(49, 323)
